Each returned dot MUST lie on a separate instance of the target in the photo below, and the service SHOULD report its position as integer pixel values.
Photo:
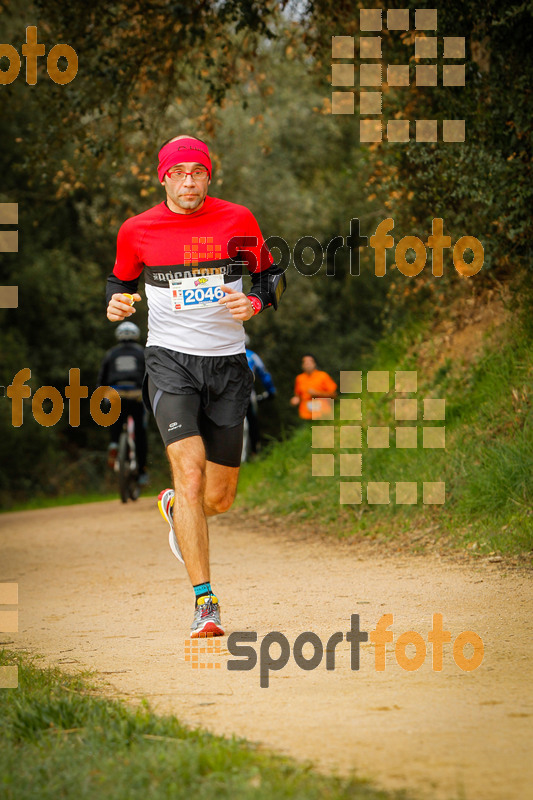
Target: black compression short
(203, 396)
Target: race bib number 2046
(196, 292)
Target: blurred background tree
(254, 80)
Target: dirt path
(100, 589)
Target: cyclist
(310, 387)
(123, 369)
(259, 370)
(192, 248)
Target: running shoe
(165, 503)
(206, 620)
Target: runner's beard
(193, 202)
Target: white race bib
(197, 292)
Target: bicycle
(126, 462)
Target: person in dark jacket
(259, 371)
(123, 370)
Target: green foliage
(491, 463)
(481, 187)
(487, 464)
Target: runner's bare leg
(220, 488)
(201, 489)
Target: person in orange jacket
(311, 387)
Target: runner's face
(188, 195)
(308, 364)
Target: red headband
(180, 152)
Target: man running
(192, 248)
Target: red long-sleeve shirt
(220, 238)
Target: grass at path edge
(54, 502)
(60, 739)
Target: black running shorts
(203, 396)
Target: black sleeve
(102, 375)
(260, 286)
(116, 286)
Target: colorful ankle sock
(201, 590)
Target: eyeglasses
(197, 174)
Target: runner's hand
(237, 303)
(120, 307)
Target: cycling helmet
(127, 332)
